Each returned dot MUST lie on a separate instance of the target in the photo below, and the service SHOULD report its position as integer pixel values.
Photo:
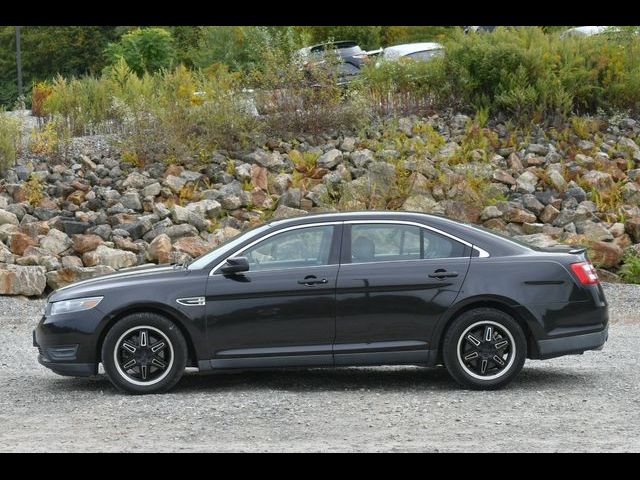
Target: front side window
(302, 247)
(396, 242)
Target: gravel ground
(576, 403)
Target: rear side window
(396, 242)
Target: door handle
(312, 280)
(441, 273)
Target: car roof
(495, 243)
(409, 48)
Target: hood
(122, 279)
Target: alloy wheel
(143, 355)
(486, 350)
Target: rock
(259, 177)
(86, 243)
(5, 254)
(577, 193)
(178, 231)
(490, 212)
(175, 183)
(503, 177)
(18, 242)
(271, 160)
(348, 144)
(291, 198)
(152, 190)
(514, 163)
(632, 227)
(22, 280)
(617, 229)
(71, 227)
(193, 246)
(538, 149)
(526, 183)
(539, 240)
(330, 159)
(518, 215)
(160, 249)
(110, 257)
(135, 180)
(605, 254)
(531, 203)
(287, 212)
(532, 228)
(205, 208)
(131, 200)
(598, 180)
(56, 242)
(362, 158)
(557, 180)
(70, 274)
(594, 231)
(137, 229)
(549, 214)
(71, 261)
(8, 217)
(422, 203)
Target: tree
(144, 49)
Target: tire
(144, 353)
(475, 352)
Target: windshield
(225, 247)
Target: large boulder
(86, 243)
(159, 250)
(67, 275)
(110, 257)
(56, 242)
(192, 246)
(22, 280)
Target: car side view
(336, 289)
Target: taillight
(585, 273)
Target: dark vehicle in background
(345, 56)
(338, 289)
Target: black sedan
(340, 289)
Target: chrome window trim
(271, 234)
(481, 253)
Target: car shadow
(379, 379)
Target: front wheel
(144, 353)
(484, 349)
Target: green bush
(630, 270)
(9, 140)
(144, 50)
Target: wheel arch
(519, 313)
(175, 317)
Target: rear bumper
(573, 344)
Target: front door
(395, 282)
(282, 311)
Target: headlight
(75, 305)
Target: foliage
(630, 270)
(144, 49)
(34, 189)
(9, 140)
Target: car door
(282, 311)
(395, 281)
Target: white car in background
(587, 31)
(417, 51)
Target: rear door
(396, 279)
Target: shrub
(630, 270)
(9, 140)
(39, 94)
(144, 49)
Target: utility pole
(19, 61)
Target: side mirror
(235, 265)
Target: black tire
(474, 362)
(145, 374)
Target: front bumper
(67, 344)
(574, 344)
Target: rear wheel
(484, 349)
(144, 353)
